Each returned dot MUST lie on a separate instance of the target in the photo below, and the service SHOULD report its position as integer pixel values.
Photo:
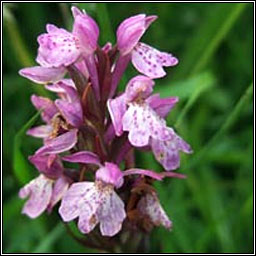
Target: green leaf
(185, 88)
(21, 166)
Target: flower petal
(150, 61)
(59, 189)
(71, 111)
(39, 192)
(167, 152)
(81, 66)
(138, 87)
(59, 88)
(43, 75)
(154, 175)
(162, 106)
(50, 165)
(111, 214)
(142, 122)
(87, 30)
(150, 206)
(84, 157)
(117, 108)
(60, 144)
(47, 107)
(42, 131)
(131, 30)
(57, 48)
(74, 198)
(110, 174)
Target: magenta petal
(84, 157)
(59, 189)
(61, 86)
(47, 107)
(109, 134)
(149, 173)
(150, 61)
(43, 131)
(43, 75)
(57, 48)
(154, 175)
(162, 106)
(119, 69)
(59, 144)
(110, 174)
(81, 66)
(111, 214)
(93, 72)
(150, 206)
(167, 152)
(139, 86)
(71, 111)
(50, 165)
(117, 108)
(131, 30)
(86, 29)
(39, 192)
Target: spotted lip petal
(150, 206)
(93, 203)
(111, 214)
(150, 61)
(39, 192)
(43, 75)
(167, 152)
(142, 123)
(57, 48)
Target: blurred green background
(212, 210)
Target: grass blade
(230, 120)
(209, 36)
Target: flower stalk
(91, 124)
